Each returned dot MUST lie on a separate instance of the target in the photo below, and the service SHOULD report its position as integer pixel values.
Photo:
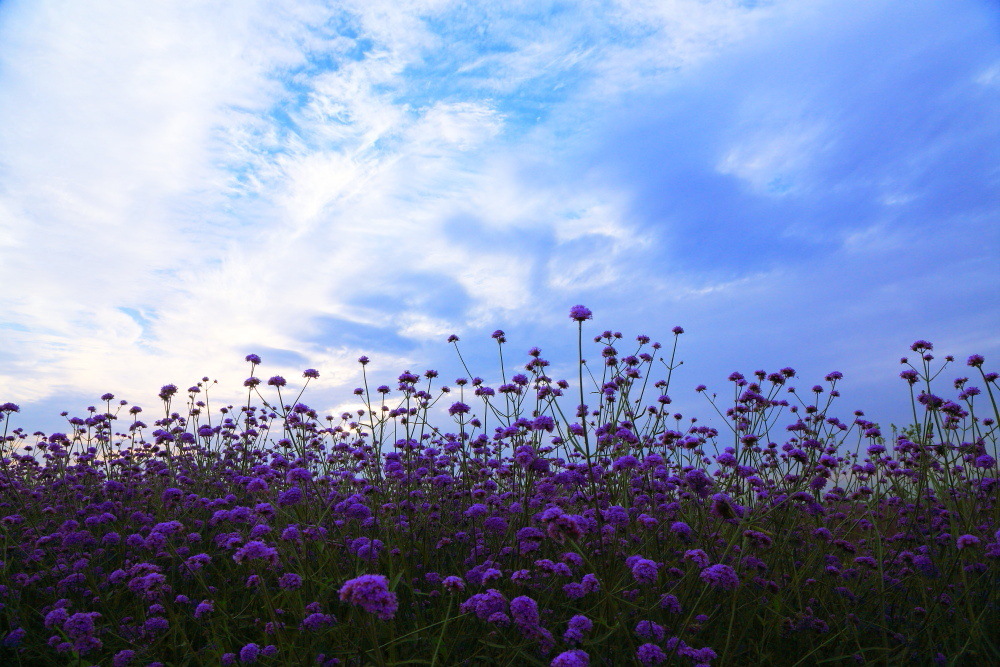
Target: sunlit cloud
(314, 181)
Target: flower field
(540, 522)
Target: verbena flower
(650, 654)
(721, 576)
(256, 550)
(577, 626)
(371, 593)
(650, 631)
(572, 658)
(525, 612)
(249, 653)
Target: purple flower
(485, 604)
(57, 616)
(310, 373)
(721, 576)
(645, 571)
(14, 637)
(697, 556)
(458, 408)
(81, 625)
(525, 612)
(453, 584)
(122, 658)
(681, 528)
(573, 658)
(276, 381)
(254, 550)
(290, 496)
(318, 621)
(290, 581)
(967, 541)
(650, 631)
(650, 654)
(204, 607)
(249, 653)
(985, 461)
(580, 313)
(371, 592)
(670, 603)
(578, 625)
(155, 625)
(253, 359)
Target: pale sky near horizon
(804, 183)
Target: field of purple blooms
(618, 533)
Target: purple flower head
(985, 461)
(650, 654)
(290, 496)
(577, 626)
(371, 593)
(156, 625)
(122, 658)
(698, 557)
(967, 541)
(572, 658)
(311, 373)
(458, 408)
(580, 313)
(453, 584)
(565, 526)
(650, 631)
(204, 607)
(485, 604)
(249, 653)
(670, 603)
(253, 359)
(55, 617)
(681, 529)
(645, 571)
(290, 581)
(721, 576)
(256, 550)
(525, 613)
(14, 637)
(317, 621)
(81, 625)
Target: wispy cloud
(181, 185)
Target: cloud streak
(315, 181)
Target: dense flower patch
(617, 533)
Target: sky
(804, 183)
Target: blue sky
(800, 183)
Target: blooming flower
(578, 625)
(371, 592)
(650, 654)
(525, 612)
(697, 556)
(721, 576)
(484, 604)
(573, 658)
(967, 541)
(204, 607)
(249, 653)
(645, 571)
(650, 631)
(256, 550)
(580, 313)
